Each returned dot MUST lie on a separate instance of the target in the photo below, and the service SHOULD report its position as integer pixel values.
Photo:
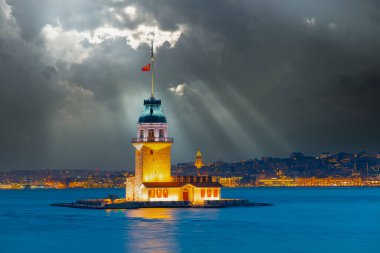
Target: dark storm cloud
(27, 99)
(256, 78)
(286, 69)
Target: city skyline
(297, 170)
(192, 159)
(249, 79)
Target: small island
(152, 185)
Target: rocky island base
(123, 204)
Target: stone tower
(153, 181)
(152, 154)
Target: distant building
(280, 181)
(198, 160)
(230, 181)
(324, 155)
(323, 182)
(296, 155)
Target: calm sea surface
(302, 220)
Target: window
(159, 193)
(141, 134)
(166, 193)
(151, 135)
(209, 193)
(161, 133)
(151, 152)
(216, 192)
(151, 194)
(202, 193)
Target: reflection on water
(151, 213)
(164, 229)
(151, 230)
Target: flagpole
(152, 60)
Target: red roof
(207, 184)
(163, 184)
(180, 184)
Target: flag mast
(152, 60)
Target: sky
(239, 79)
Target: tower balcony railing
(152, 139)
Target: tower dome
(152, 112)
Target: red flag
(146, 68)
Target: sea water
(301, 220)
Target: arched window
(208, 193)
(216, 192)
(151, 135)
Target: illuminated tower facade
(152, 144)
(153, 180)
(198, 160)
(152, 154)
(152, 148)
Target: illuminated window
(159, 193)
(202, 193)
(151, 135)
(151, 193)
(166, 193)
(209, 193)
(216, 192)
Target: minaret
(153, 146)
(198, 160)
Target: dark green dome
(152, 112)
